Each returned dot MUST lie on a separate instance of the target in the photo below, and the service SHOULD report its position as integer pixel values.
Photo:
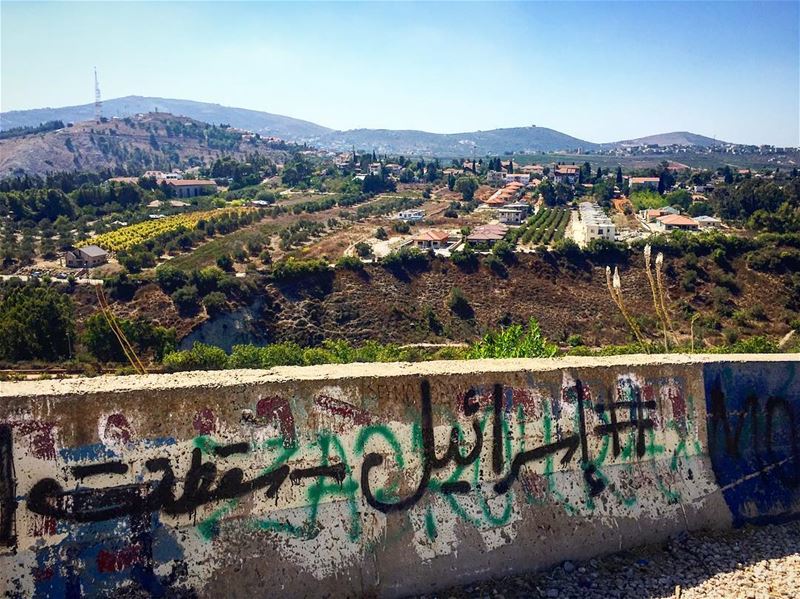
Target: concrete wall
(382, 479)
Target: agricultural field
(546, 226)
(129, 236)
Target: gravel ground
(749, 563)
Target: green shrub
(406, 258)
(496, 265)
(170, 278)
(186, 299)
(291, 269)
(349, 263)
(363, 249)
(215, 302)
(514, 342)
(36, 322)
(569, 250)
(503, 250)
(200, 357)
(459, 304)
(465, 259)
(574, 340)
(225, 262)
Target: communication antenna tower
(98, 104)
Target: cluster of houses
(670, 219)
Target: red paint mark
(40, 574)
(675, 397)
(117, 430)
(534, 484)
(40, 436)
(337, 407)
(649, 394)
(278, 409)
(477, 402)
(204, 422)
(42, 526)
(116, 561)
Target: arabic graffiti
(478, 458)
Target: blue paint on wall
(754, 438)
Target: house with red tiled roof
(566, 173)
(487, 234)
(676, 222)
(431, 240)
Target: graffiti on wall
(325, 472)
(753, 438)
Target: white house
(594, 223)
(708, 222)
(513, 214)
(413, 215)
(495, 178)
(523, 178)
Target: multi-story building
(594, 224)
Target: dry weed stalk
(662, 293)
(127, 348)
(656, 304)
(615, 289)
(691, 328)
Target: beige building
(86, 257)
(191, 188)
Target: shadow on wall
(753, 438)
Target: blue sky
(600, 71)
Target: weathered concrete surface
(382, 479)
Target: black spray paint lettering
(569, 445)
(8, 496)
(48, 498)
(203, 484)
(775, 409)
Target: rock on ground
(749, 563)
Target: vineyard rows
(547, 226)
(125, 238)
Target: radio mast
(98, 104)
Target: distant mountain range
(409, 142)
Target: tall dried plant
(662, 293)
(615, 290)
(656, 304)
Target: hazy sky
(600, 71)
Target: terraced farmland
(547, 226)
(127, 237)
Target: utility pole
(98, 104)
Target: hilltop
(676, 138)
(148, 141)
(495, 141)
(530, 139)
(256, 121)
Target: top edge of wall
(225, 378)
